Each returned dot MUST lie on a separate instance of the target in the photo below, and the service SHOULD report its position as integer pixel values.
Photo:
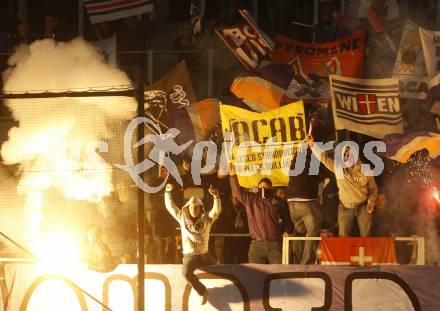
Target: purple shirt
(263, 214)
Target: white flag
(431, 50)
(369, 107)
(410, 66)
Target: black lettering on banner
(280, 129)
(313, 50)
(345, 46)
(414, 87)
(296, 130)
(348, 296)
(241, 132)
(423, 87)
(322, 50)
(288, 46)
(298, 275)
(221, 276)
(133, 283)
(279, 44)
(402, 86)
(356, 44)
(255, 131)
(310, 50)
(411, 86)
(46, 277)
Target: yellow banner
(263, 144)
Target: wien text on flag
(369, 107)
(108, 10)
(358, 251)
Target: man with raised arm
(268, 219)
(195, 224)
(357, 192)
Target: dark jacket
(263, 214)
(303, 186)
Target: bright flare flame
(74, 168)
(57, 143)
(436, 195)
(58, 253)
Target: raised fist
(169, 187)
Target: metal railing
(285, 247)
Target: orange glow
(58, 253)
(436, 195)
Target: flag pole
(315, 18)
(141, 206)
(437, 20)
(81, 18)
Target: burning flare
(58, 143)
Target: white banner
(230, 287)
(369, 107)
(410, 66)
(431, 50)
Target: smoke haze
(55, 144)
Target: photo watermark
(205, 156)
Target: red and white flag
(109, 10)
(358, 251)
(366, 106)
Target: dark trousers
(190, 264)
(235, 250)
(265, 252)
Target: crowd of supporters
(392, 204)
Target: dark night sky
(177, 10)
(67, 9)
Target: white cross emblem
(361, 259)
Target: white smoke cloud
(55, 143)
